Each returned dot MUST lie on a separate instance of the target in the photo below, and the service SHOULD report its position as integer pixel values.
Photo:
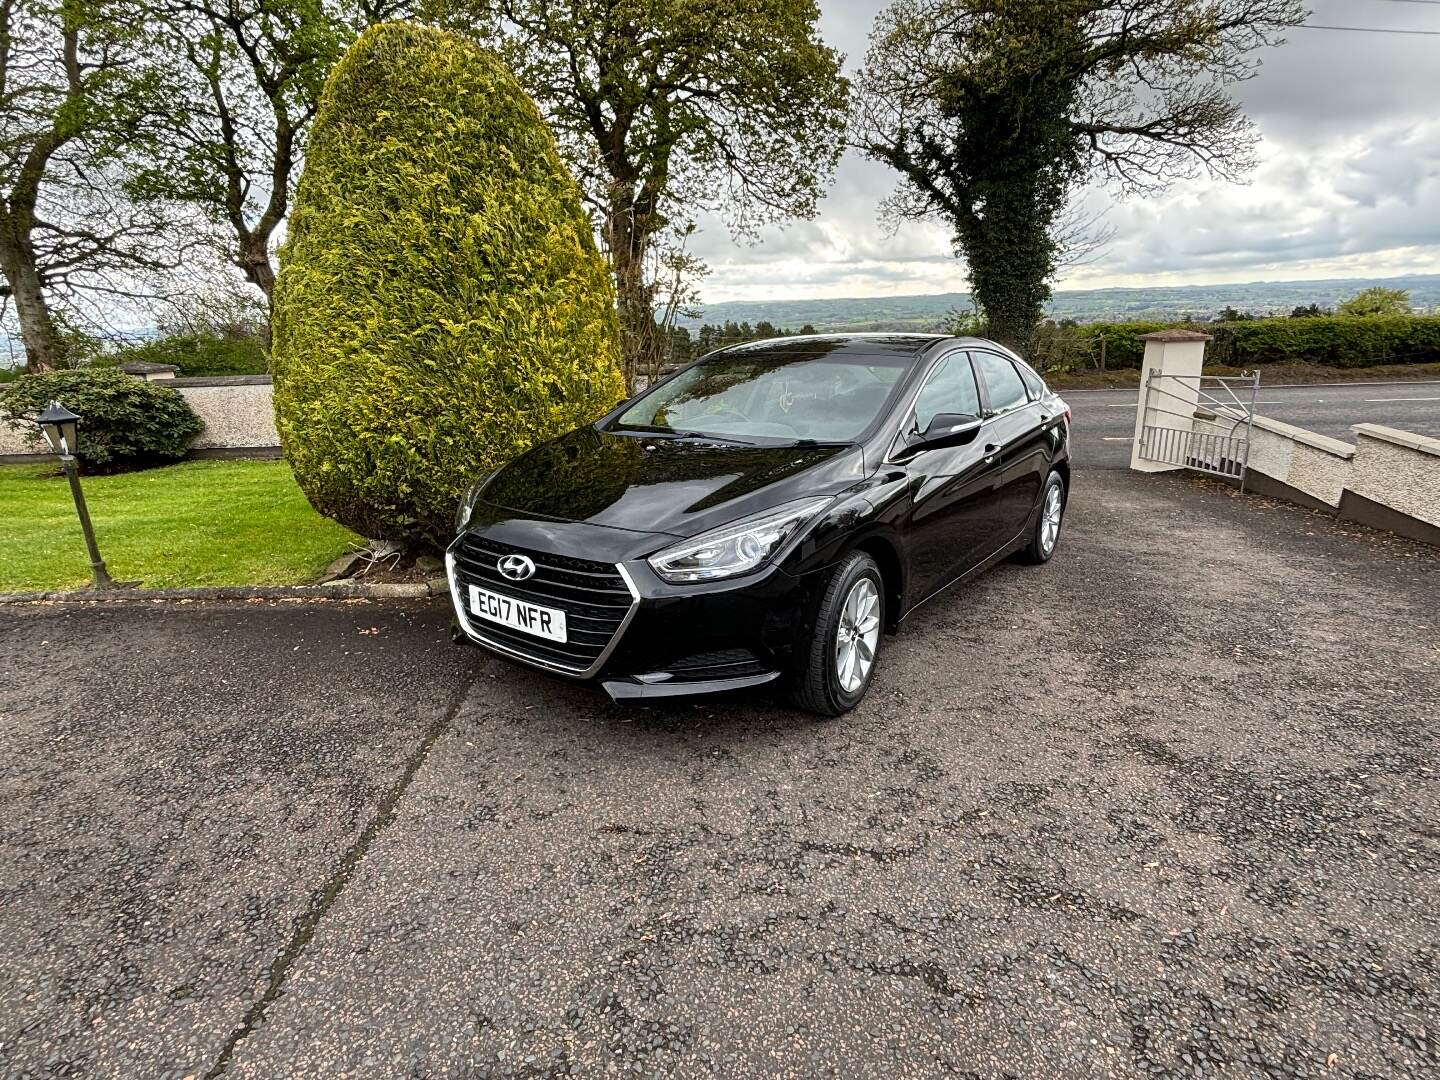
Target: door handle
(990, 451)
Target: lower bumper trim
(628, 690)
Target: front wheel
(837, 669)
(1046, 533)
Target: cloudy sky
(1349, 183)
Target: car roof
(871, 344)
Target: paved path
(1080, 828)
(1105, 419)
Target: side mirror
(947, 429)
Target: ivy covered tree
(995, 112)
(666, 107)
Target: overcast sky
(1349, 184)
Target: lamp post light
(59, 426)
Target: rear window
(1002, 381)
(1033, 382)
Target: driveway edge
(331, 591)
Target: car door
(1015, 435)
(954, 497)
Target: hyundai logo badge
(516, 567)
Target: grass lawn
(197, 523)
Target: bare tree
(75, 90)
(249, 74)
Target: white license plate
(543, 622)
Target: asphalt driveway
(1165, 807)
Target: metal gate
(1200, 422)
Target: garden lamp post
(59, 426)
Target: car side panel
(1023, 450)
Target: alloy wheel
(1050, 519)
(858, 635)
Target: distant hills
(928, 312)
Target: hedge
(441, 305)
(125, 422)
(1335, 340)
(197, 354)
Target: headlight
(467, 501)
(737, 548)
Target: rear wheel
(836, 671)
(1046, 533)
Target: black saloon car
(763, 515)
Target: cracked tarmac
(1165, 807)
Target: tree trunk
(1012, 257)
(254, 260)
(44, 344)
(642, 345)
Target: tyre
(1046, 534)
(835, 673)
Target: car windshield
(767, 397)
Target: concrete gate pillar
(1172, 402)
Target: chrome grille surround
(599, 601)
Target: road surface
(1104, 420)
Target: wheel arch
(892, 574)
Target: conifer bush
(441, 304)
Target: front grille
(594, 596)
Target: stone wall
(1387, 478)
(238, 411)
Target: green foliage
(79, 80)
(441, 304)
(1376, 300)
(668, 107)
(1334, 340)
(125, 422)
(196, 354)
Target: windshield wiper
(702, 436)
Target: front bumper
(674, 640)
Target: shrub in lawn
(198, 354)
(125, 422)
(441, 305)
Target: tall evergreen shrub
(441, 305)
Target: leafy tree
(1231, 314)
(441, 305)
(1308, 311)
(246, 83)
(994, 112)
(76, 87)
(1376, 300)
(666, 107)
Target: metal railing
(1226, 402)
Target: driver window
(950, 389)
